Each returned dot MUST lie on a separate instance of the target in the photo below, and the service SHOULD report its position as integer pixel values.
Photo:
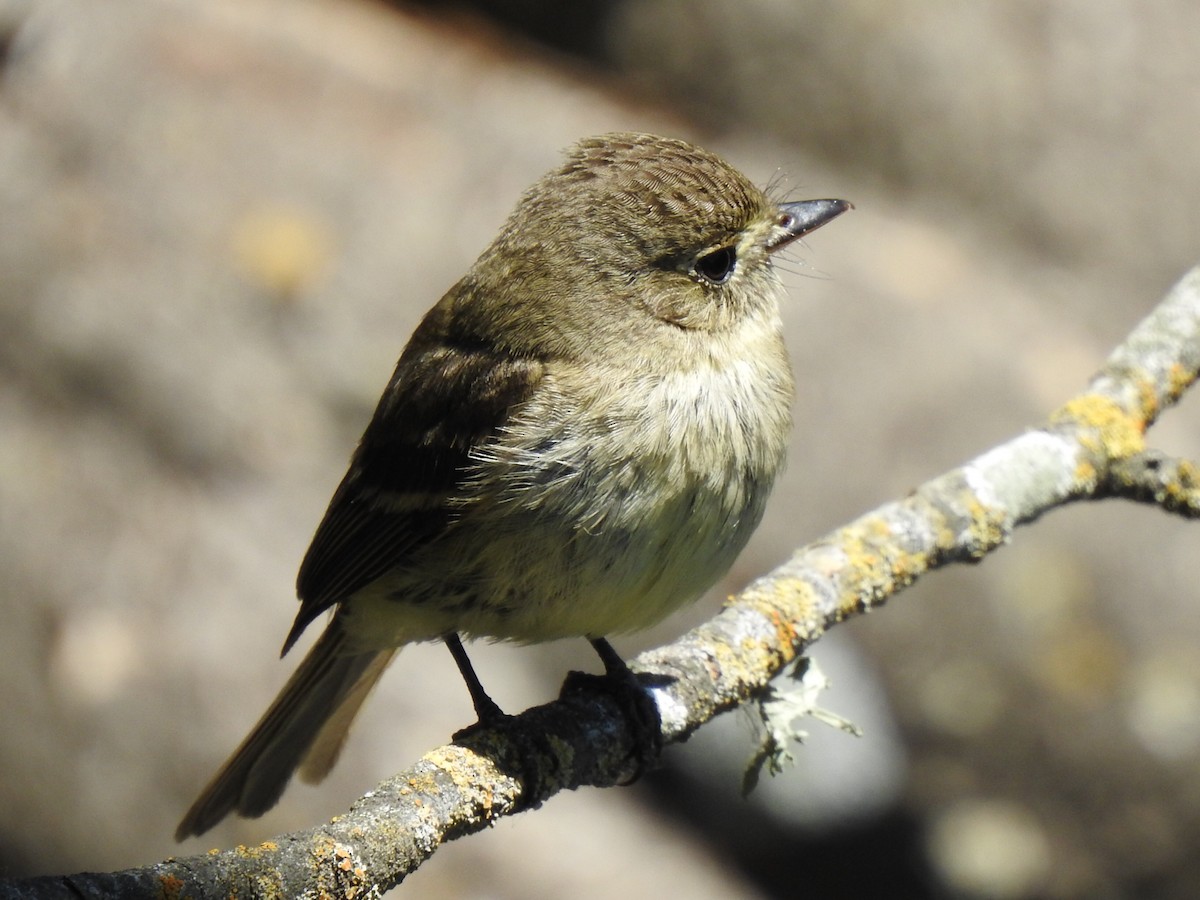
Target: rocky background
(219, 222)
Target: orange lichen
(786, 635)
(170, 887)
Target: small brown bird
(578, 439)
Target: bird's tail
(303, 729)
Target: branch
(1091, 448)
(1154, 477)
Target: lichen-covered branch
(1156, 478)
(1092, 448)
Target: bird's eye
(716, 266)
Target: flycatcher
(578, 439)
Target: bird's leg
(613, 664)
(485, 707)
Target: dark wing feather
(445, 397)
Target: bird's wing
(445, 398)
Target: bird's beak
(798, 219)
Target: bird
(578, 439)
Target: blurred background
(219, 222)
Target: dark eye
(717, 265)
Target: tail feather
(314, 710)
(327, 745)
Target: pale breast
(607, 521)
